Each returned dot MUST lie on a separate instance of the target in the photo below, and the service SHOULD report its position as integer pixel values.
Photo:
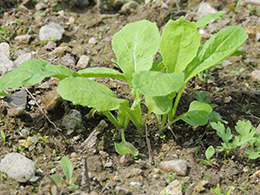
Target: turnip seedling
(154, 84)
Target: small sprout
(28, 179)
(170, 176)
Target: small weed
(3, 137)
(217, 190)
(170, 176)
(238, 72)
(28, 179)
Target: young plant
(209, 153)
(170, 176)
(67, 168)
(28, 179)
(216, 191)
(154, 84)
(3, 137)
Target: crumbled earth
(88, 31)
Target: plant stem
(111, 117)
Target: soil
(236, 95)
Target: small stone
(133, 172)
(17, 166)
(108, 164)
(174, 188)
(175, 166)
(258, 36)
(200, 186)
(72, 121)
(71, 20)
(165, 147)
(83, 62)
(92, 41)
(6, 64)
(73, 154)
(52, 31)
(5, 48)
(122, 191)
(22, 58)
(126, 8)
(51, 101)
(18, 99)
(40, 5)
(103, 154)
(23, 38)
(255, 75)
(205, 9)
(126, 160)
(61, 13)
(136, 184)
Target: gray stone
(17, 166)
(126, 160)
(72, 121)
(40, 5)
(255, 75)
(23, 38)
(6, 64)
(258, 36)
(52, 32)
(22, 58)
(175, 166)
(83, 62)
(5, 48)
(126, 8)
(205, 9)
(122, 191)
(174, 188)
(17, 102)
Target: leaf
(245, 131)
(135, 46)
(207, 19)
(125, 147)
(85, 92)
(217, 48)
(226, 136)
(33, 71)
(153, 83)
(209, 152)
(101, 72)
(73, 187)
(158, 65)
(179, 44)
(67, 168)
(252, 154)
(198, 113)
(58, 179)
(201, 96)
(158, 104)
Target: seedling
(247, 134)
(67, 168)
(170, 176)
(3, 137)
(154, 84)
(28, 179)
(209, 153)
(217, 191)
(237, 73)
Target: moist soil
(232, 90)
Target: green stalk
(111, 117)
(173, 111)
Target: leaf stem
(111, 117)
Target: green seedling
(170, 176)
(247, 134)
(156, 84)
(233, 9)
(216, 191)
(209, 153)
(3, 137)
(33, 143)
(67, 168)
(28, 179)
(237, 73)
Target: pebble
(122, 191)
(255, 75)
(52, 31)
(126, 8)
(5, 48)
(17, 166)
(174, 188)
(72, 121)
(6, 64)
(205, 9)
(175, 166)
(133, 172)
(258, 36)
(126, 160)
(22, 58)
(17, 103)
(23, 38)
(83, 62)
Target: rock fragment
(175, 166)
(52, 31)
(174, 188)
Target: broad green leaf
(209, 152)
(125, 147)
(198, 113)
(245, 131)
(58, 179)
(252, 154)
(206, 19)
(158, 104)
(85, 92)
(67, 168)
(225, 135)
(153, 83)
(101, 72)
(179, 44)
(216, 49)
(73, 187)
(33, 71)
(135, 46)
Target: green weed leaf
(158, 105)
(245, 131)
(31, 72)
(58, 179)
(135, 46)
(101, 72)
(225, 135)
(67, 168)
(125, 147)
(198, 113)
(209, 152)
(206, 19)
(153, 83)
(252, 154)
(216, 49)
(179, 44)
(85, 92)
